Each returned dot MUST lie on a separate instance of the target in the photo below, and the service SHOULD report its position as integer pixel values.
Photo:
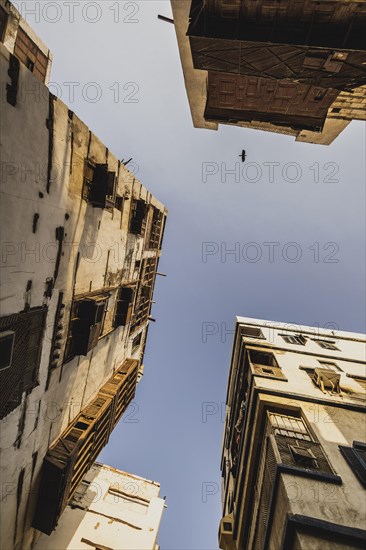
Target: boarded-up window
(28, 53)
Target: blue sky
(315, 275)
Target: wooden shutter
(68, 460)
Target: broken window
(138, 217)
(28, 53)
(298, 339)
(124, 306)
(86, 325)
(99, 185)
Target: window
(21, 338)
(303, 457)
(327, 379)
(86, 325)
(356, 458)
(119, 203)
(6, 348)
(99, 185)
(138, 217)
(294, 339)
(330, 366)
(289, 426)
(252, 332)
(264, 364)
(144, 293)
(124, 306)
(326, 344)
(155, 229)
(295, 443)
(136, 342)
(28, 53)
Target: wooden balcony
(71, 456)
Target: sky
(296, 230)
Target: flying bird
(243, 155)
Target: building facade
(278, 67)
(110, 509)
(294, 448)
(81, 242)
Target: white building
(111, 510)
(81, 242)
(294, 449)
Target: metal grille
(28, 53)
(21, 376)
(289, 426)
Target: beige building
(291, 69)
(81, 242)
(294, 447)
(111, 510)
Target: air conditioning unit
(226, 541)
(327, 379)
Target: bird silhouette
(243, 155)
